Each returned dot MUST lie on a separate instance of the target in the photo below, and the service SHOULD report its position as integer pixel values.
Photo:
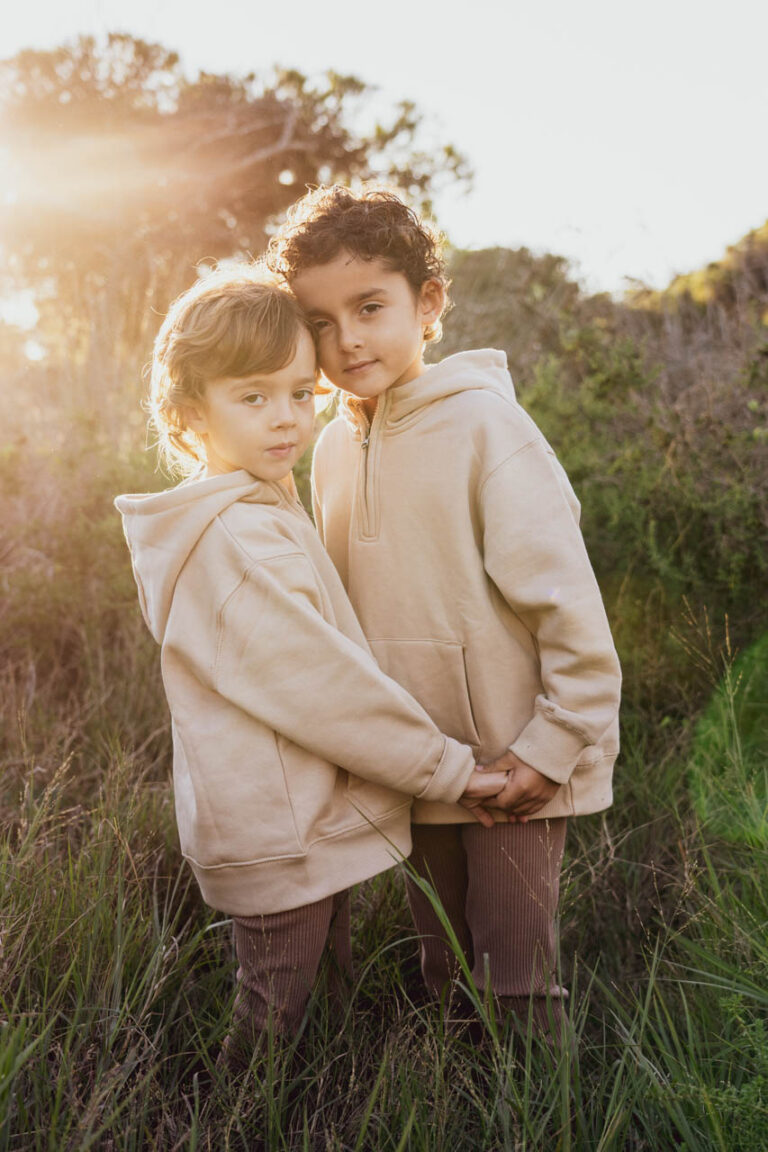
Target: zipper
(367, 488)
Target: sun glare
(19, 310)
(34, 351)
(9, 192)
(88, 175)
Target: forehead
(301, 368)
(345, 280)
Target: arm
(280, 660)
(535, 555)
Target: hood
(162, 528)
(483, 369)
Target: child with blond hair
(455, 531)
(295, 758)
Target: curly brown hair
(371, 224)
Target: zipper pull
(364, 443)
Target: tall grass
(117, 984)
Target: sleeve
(535, 555)
(280, 660)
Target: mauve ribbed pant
(279, 958)
(499, 887)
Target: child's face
(260, 423)
(370, 322)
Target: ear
(431, 301)
(194, 417)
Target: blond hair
(236, 321)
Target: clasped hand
(510, 784)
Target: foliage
(515, 301)
(729, 754)
(737, 283)
(155, 172)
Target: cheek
(325, 350)
(307, 423)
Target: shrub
(729, 760)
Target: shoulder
(256, 533)
(491, 425)
(533, 467)
(260, 553)
(333, 444)
(337, 431)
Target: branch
(247, 129)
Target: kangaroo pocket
(435, 674)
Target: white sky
(630, 137)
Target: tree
(124, 173)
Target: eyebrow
(356, 299)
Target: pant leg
(438, 856)
(512, 897)
(339, 949)
(279, 957)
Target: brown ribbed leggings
(499, 887)
(279, 958)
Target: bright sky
(628, 137)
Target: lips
(360, 366)
(281, 449)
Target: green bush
(729, 758)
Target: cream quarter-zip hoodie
(455, 531)
(295, 757)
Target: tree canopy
(119, 166)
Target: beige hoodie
(288, 739)
(455, 531)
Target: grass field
(116, 982)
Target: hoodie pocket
(232, 809)
(435, 674)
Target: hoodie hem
(278, 885)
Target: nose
(283, 415)
(349, 337)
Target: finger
(524, 807)
(528, 808)
(500, 764)
(495, 782)
(489, 793)
(483, 816)
(510, 797)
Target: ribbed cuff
(549, 747)
(452, 774)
